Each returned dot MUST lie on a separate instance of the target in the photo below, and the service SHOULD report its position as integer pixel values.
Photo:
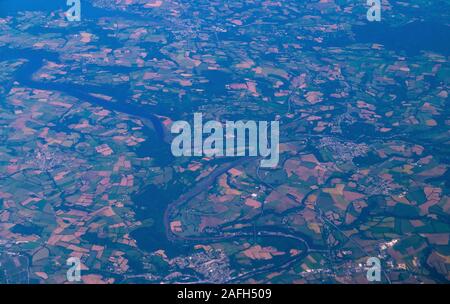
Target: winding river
(159, 235)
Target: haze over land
(86, 169)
